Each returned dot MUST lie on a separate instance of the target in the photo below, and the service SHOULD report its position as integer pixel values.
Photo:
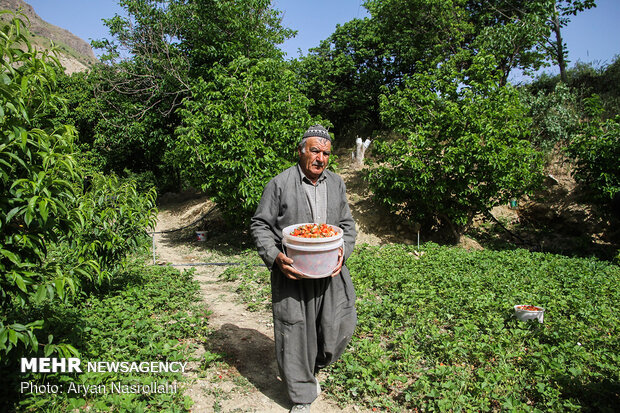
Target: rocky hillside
(75, 54)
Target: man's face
(315, 158)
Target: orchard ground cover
(428, 324)
(437, 331)
(149, 314)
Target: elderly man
(314, 319)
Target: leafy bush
(438, 333)
(596, 152)
(56, 237)
(555, 117)
(37, 177)
(585, 80)
(114, 218)
(463, 149)
(240, 130)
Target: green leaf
(43, 209)
(12, 336)
(59, 284)
(12, 213)
(28, 217)
(20, 282)
(11, 256)
(4, 336)
(32, 203)
(48, 349)
(40, 294)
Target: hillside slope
(75, 54)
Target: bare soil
(560, 218)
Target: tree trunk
(454, 231)
(559, 44)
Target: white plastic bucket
(201, 235)
(314, 260)
(524, 315)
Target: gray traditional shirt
(316, 195)
(284, 202)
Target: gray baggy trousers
(314, 320)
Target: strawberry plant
(146, 314)
(438, 332)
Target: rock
(469, 244)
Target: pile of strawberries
(314, 231)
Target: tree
(462, 146)
(219, 31)
(559, 19)
(37, 173)
(512, 32)
(345, 74)
(159, 46)
(422, 34)
(240, 130)
(159, 52)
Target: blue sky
(592, 36)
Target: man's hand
(285, 264)
(339, 266)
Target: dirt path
(246, 381)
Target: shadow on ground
(252, 354)
(556, 220)
(190, 212)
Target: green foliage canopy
(345, 74)
(240, 130)
(596, 152)
(463, 146)
(37, 176)
(161, 55)
(57, 235)
(219, 31)
(555, 116)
